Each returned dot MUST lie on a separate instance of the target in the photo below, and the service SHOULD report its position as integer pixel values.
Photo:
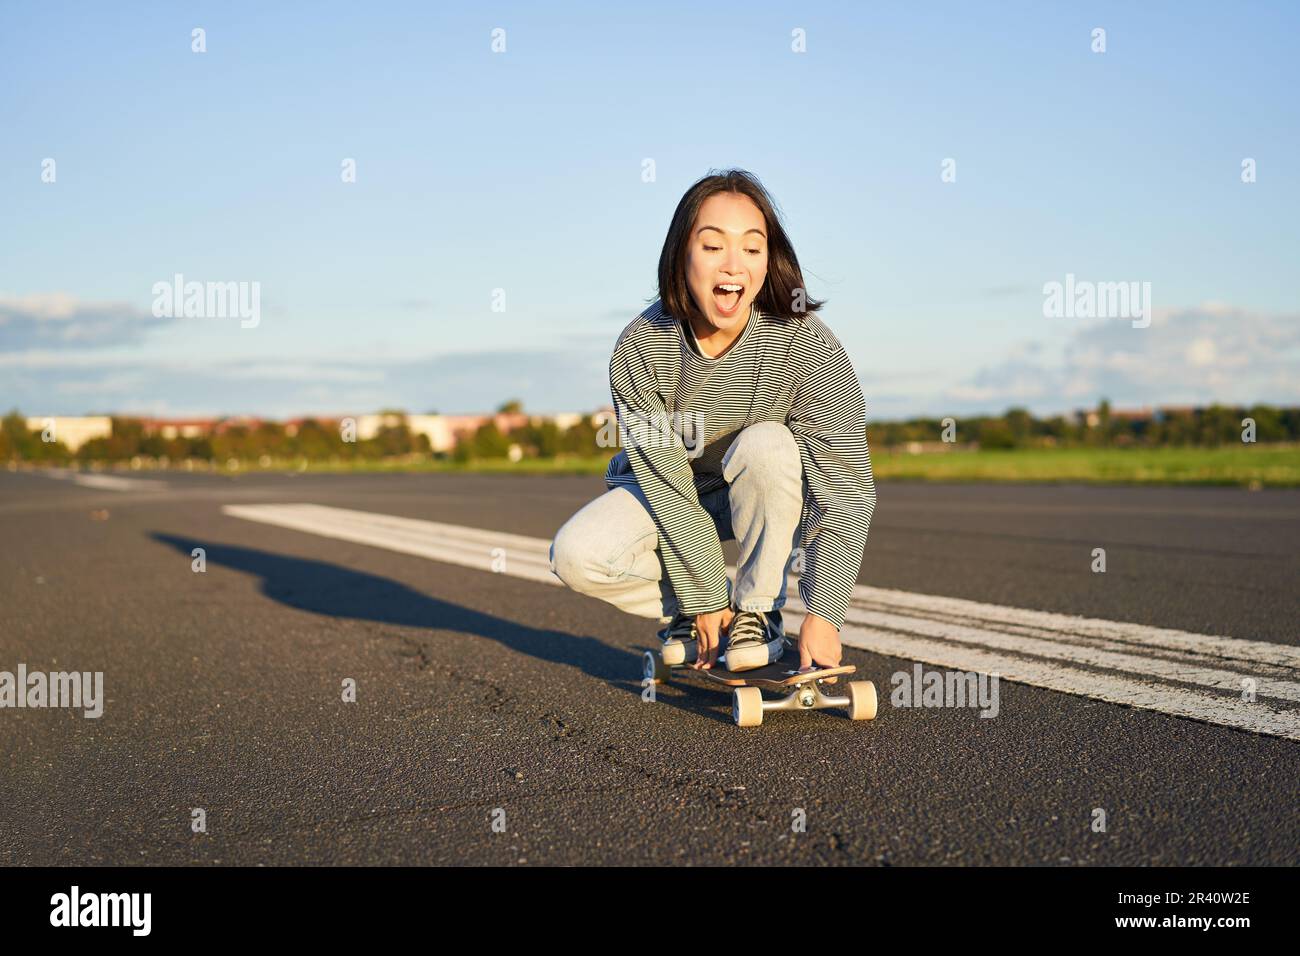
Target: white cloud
(546, 381)
(1197, 355)
(1201, 352)
(60, 320)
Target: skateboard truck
(807, 696)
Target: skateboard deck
(775, 676)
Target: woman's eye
(712, 248)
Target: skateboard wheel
(862, 700)
(654, 669)
(675, 654)
(747, 706)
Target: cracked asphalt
(500, 721)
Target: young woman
(741, 418)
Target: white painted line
(1197, 676)
(106, 482)
(1184, 671)
(1152, 637)
(468, 547)
(1223, 709)
(114, 483)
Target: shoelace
(748, 626)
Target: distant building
(454, 426)
(171, 428)
(293, 425)
(73, 431)
(566, 420)
(435, 428)
(1092, 417)
(443, 431)
(368, 426)
(221, 426)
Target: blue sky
(522, 171)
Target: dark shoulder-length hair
(783, 294)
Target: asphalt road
(485, 698)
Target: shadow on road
(323, 588)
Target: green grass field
(1258, 466)
(1271, 466)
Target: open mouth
(727, 297)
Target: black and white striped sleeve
(688, 538)
(828, 421)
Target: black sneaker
(680, 641)
(756, 639)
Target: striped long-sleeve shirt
(678, 413)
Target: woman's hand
(709, 629)
(819, 643)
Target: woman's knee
(588, 546)
(569, 558)
(767, 447)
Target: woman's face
(728, 248)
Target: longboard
(805, 693)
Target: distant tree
(489, 442)
(394, 440)
(200, 448)
(541, 440)
(1268, 423)
(231, 443)
(1020, 424)
(511, 407)
(154, 446)
(1218, 425)
(269, 439)
(18, 441)
(1103, 422)
(580, 439)
(1059, 429)
(315, 441)
(992, 433)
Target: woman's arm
(688, 538)
(828, 420)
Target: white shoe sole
(755, 655)
(679, 652)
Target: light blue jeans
(610, 548)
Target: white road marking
(114, 483)
(1198, 676)
(454, 544)
(107, 482)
